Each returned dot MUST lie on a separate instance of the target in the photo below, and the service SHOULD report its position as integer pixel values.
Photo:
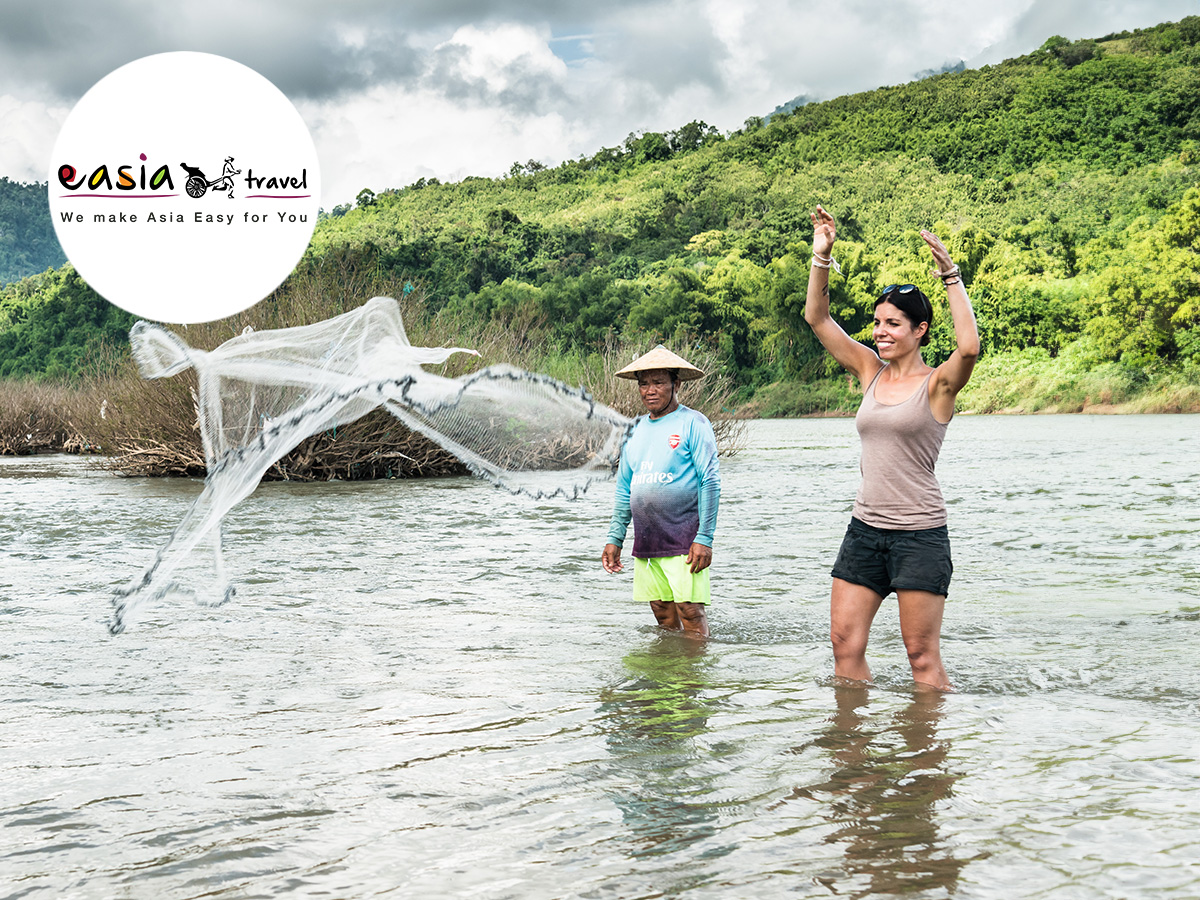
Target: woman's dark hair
(909, 299)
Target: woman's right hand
(824, 232)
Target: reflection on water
(650, 721)
(430, 689)
(882, 796)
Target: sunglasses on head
(898, 289)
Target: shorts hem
(882, 593)
(944, 592)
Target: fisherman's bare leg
(693, 618)
(667, 614)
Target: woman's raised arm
(859, 359)
(954, 373)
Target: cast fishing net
(262, 393)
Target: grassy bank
(1023, 382)
(36, 417)
(148, 427)
(1031, 381)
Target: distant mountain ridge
(805, 99)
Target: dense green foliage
(27, 241)
(1060, 181)
(1064, 183)
(51, 324)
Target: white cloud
(394, 92)
(28, 129)
(390, 137)
(492, 96)
(494, 52)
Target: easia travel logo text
(225, 162)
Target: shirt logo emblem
(673, 440)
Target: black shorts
(885, 560)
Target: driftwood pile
(149, 429)
(14, 443)
(376, 446)
(32, 421)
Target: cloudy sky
(396, 90)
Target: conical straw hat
(661, 358)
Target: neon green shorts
(667, 578)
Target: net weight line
(262, 393)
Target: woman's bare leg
(921, 628)
(852, 608)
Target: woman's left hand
(941, 256)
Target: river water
(430, 689)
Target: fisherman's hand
(699, 558)
(611, 558)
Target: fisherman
(668, 483)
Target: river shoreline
(59, 441)
(1097, 409)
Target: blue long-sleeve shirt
(669, 484)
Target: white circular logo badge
(184, 187)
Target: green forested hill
(1065, 183)
(27, 241)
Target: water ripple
(431, 689)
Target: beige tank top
(900, 445)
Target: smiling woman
(897, 538)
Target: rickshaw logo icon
(197, 183)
